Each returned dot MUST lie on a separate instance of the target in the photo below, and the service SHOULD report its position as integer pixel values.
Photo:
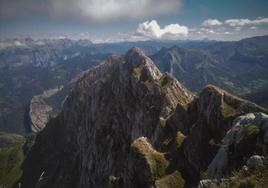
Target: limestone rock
(173, 180)
(40, 111)
(255, 162)
(148, 164)
(242, 140)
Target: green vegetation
(228, 110)
(204, 175)
(167, 141)
(29, 143)
(154, 160)
(13, 149)
(257, 178)
(158, 165)
(10, 162)
(250, 130)
(251, 178)
(9, 139)
(173, 180)
(138, 70)
(179, 139)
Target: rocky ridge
(125, 124)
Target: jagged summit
(125, 124)
(240, 105)
(135, 58)
(111, 105)
(135, 51)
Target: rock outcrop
(247, 136)
(148, 164)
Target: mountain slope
(125, 124)
(29, 67)
(239, 67)
(11, 158)
(19, 84)
(129, 100)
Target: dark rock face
(216, 110)
(125, 124)
(110, 107)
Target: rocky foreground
(125, 124)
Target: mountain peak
(144, 118)
(135, 50)
(142, 66)
(113, 105)
(135, 56)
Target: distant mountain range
(239, 67)
(30, 67)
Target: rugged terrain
(30, 67)
(125, 124)
(239, 67)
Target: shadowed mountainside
(125, 124)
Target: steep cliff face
(196, 132)
(211, 116)
(125, 124)
(248, 136)
(110, 107)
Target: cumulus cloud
(211, 22)
(97, 10)
(151, 29)
(235, 22)
(243, 22)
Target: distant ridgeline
(36, 66)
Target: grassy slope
(11, 158)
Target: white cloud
(106, 10)
(211, 22)
(96, 10)
(235, 22)
(243, 22)
(151, 29)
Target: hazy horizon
(134, 20)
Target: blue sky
(120, 20)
